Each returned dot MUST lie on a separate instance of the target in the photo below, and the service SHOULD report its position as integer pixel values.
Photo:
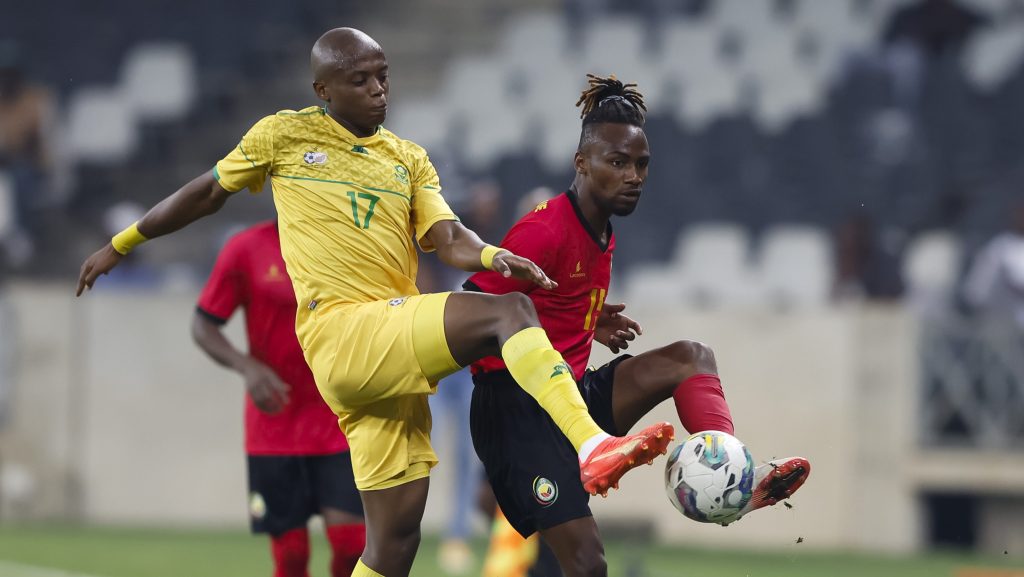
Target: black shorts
(531, 465)
(285, 491)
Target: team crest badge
(257, 506)
(545, 491)
(315, 157)
(401, 174)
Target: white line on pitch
(9, 569)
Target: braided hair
(607, 99)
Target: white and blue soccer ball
(709, 477)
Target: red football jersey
(250, 273)
(558, 239)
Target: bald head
(350, 74)
(339, 49)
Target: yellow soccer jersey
(348, 208)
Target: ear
(580, 163)
(321, 91)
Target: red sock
(701, 405)
(347, 542)
(291, 553)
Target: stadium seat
(994, 55)
(551, 94)
(653, 284)
(690, 59)
(931, 267)
(745, 16)
(477, 93)
(158, 81)
(531, 38)
(795, 266)
(617, 46)
(992, 8)
(101, 126)
(710, 266)
(786, 89)
(6, 205)
(424, 121)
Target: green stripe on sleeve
(246, 155)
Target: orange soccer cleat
(775, 481)
(616, 455)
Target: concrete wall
(120, 419)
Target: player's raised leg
(479, 325)
(686, 372)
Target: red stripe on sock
(291, 553)
(347, 543)
(700, 403)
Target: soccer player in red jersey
(299, 463)
(570, 237)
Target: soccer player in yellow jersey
(353, 201)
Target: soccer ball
(709, 477)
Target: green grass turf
(121, 552)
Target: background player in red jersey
(570, 237)
(299, 463)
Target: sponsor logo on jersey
(315, 157)
(360, 149)
(274, 273)
(580, 273)
(545, 491)
(540, 206)
(396, 302)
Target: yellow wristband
(487, 256)
(128, 239)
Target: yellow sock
(362, 570)
(542, 372)
(508, 555)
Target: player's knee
(517, 308)
(293, 564)
(588, 561)
(402, 543)
(291, 553)
(691, 358)
(393, 549)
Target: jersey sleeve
(248, 165)
(428, 206)
(225, 289)
(528, 239)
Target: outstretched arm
(461, 248)
(267, 390)
(199, 198)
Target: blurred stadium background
(827, 175)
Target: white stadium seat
(931, 267)
(159, 81)
(6, 205)
(711, 266)
(795, 266)
(100, 126)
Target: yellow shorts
(375, 363)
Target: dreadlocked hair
(609, 100)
